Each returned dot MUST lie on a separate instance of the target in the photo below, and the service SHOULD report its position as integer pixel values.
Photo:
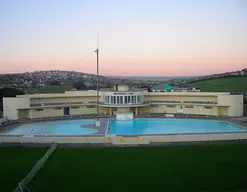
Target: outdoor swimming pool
(169, 126)
(136, 126)
(71, 127)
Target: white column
(136, 111)
(110, 111)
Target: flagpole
(97, 52)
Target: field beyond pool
(218, 167)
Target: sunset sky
(136, 37)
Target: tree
(9, 92)
(79, 85)
(55, 82)
(147, 87)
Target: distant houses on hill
(213, 76)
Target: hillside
(50, 89)
(227, 84)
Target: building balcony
(115, 91)
(144, 103)
(62, 103)
(86, 103)
(184, 102)
(168, 102)
(201, 102)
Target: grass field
(231, 84)
(15, 164)
(50, 89)
(145, 169)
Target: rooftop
(165, 87)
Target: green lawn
(50, 89)
(145, 169)
(231, 84)
(15, 164)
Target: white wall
(11, 106)
(235, 103)
(123, 87)
(237, 106)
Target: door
(66, 111)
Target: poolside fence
(144, 114)
(113, 139)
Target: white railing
(176, 137)
(137, 103)
(183, 102)
(64, 117)
(107, 126)
(185, 115)
(22, 186)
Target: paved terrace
(101, 129)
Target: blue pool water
(169, 126)
(72, 127)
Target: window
(107, 99)
(75, 107)
(39, 109)
(171, 106)
(138, 99)
(206, 107)
(189, 106)
(125, 99)
(114, 99)
(154, 105)
(91, 106)
(57, 108)
(129, 99)
(134, 99)
(175, 102)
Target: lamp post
(97, 54)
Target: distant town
(53, 77)
(218, 75)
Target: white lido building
(122, 99)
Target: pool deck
(101, 130)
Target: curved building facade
(123, 98)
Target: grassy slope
(234, 84)
(170, 168)
(50, 89)
(15, 164)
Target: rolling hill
(226, 84)
(49, 89)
